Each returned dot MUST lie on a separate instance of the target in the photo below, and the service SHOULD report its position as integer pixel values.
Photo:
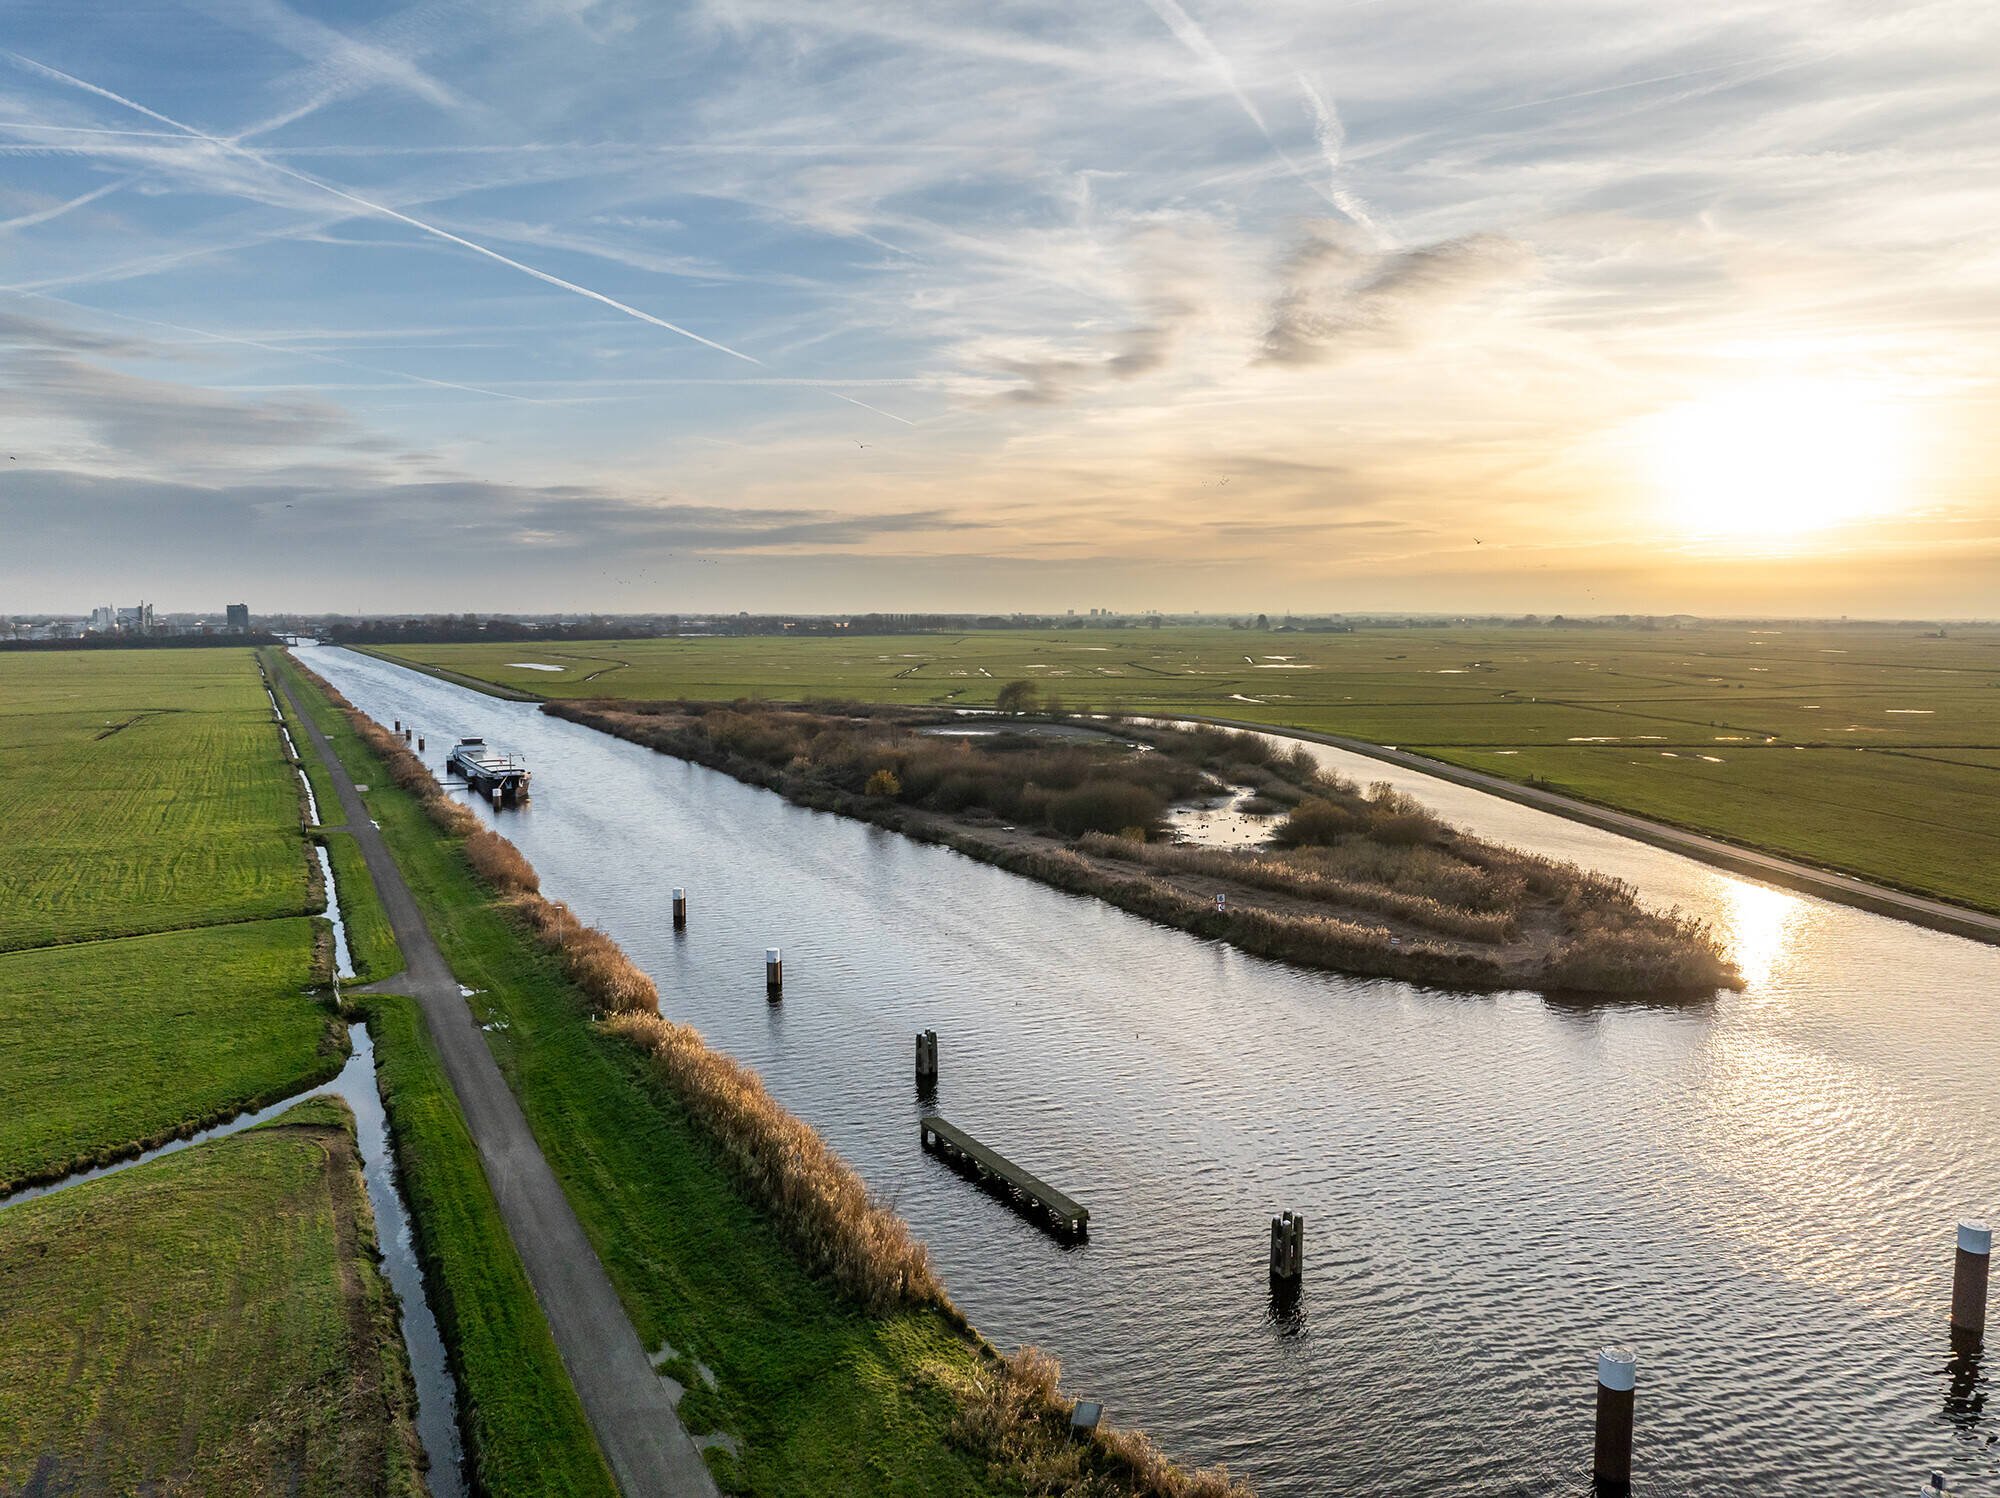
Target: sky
(845, 305)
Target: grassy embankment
(369, 939)
(525, 1431)
(1748, 735)
(660, 1149)
(1365, 883)
(211, 1321)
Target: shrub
(884, 783)
(1017, 697)
(1104, 806)
(1315, 823)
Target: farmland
(215, 1315)
(204, 1321)
(107, 1045)
(1869, 750)
(146, 791)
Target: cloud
(1336, 297)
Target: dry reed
(500, 863)
(1289, 876)
(825, 1212)
(1013, 1413)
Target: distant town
(142, 623)
(127, 625)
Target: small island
(1352, 879)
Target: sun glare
(1780, 458)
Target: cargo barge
(497, 776)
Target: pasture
(1746, 733)
(114, 1044)
(211, 1321)
(145, 790)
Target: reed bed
(500, 863)
(1013, 1412)
(825, 1212)
(1290, 875)
(613, 982)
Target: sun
(1780, 458)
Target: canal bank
(791, 1387)
(1497, 1185)
(631, 1410)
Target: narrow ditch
(357, 1085)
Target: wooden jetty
(953, 1144)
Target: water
(1757, 1192)
(343, 959)
(437, 1422)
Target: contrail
(1332, 136)
(1190, 35)
(272, 348)
(27, 220)
(259, 159)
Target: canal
(1756, 1192)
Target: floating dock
(497, 776)
(953, 1144)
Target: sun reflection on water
(1759, 926)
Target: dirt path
(629, 1405)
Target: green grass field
(208, 1322)
(1748, 734)
(144, 790)
(823, 1398)
(107, 1045)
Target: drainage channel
(343, 956)
(437, 1396)
(437, 1400)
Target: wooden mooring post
(1969, 1281)
(927, 1061)
(680, 908)
(774, 974)
(420, 746)
(1070, 1219)
(1611, 1462)
(1288, 1251)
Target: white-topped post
(1611, 1465)
(774, 973)
(1969, 1280)
(680, 908)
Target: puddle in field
(534, 666)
